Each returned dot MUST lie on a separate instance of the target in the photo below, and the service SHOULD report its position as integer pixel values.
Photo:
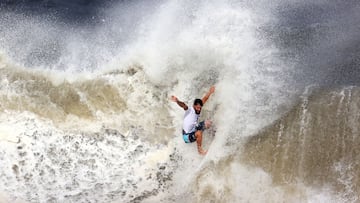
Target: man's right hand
(212, 89)
(174, 99)
(180, 103)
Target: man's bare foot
(201, 151)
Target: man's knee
(198, 133)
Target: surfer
(192, 129)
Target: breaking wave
(86, 116)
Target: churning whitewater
(86, 115)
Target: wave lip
(316, 143)
(30, 91)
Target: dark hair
(198, 101)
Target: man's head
(198, 105)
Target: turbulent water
(85, 114)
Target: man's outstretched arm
(206, 97)
(180, 103)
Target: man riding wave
(192, 129)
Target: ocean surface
(86, 115)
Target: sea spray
(91, 109)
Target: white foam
(49, 163)
(8, 133)
(182, 50)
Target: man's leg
(198, 135)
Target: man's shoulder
(189, 110)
